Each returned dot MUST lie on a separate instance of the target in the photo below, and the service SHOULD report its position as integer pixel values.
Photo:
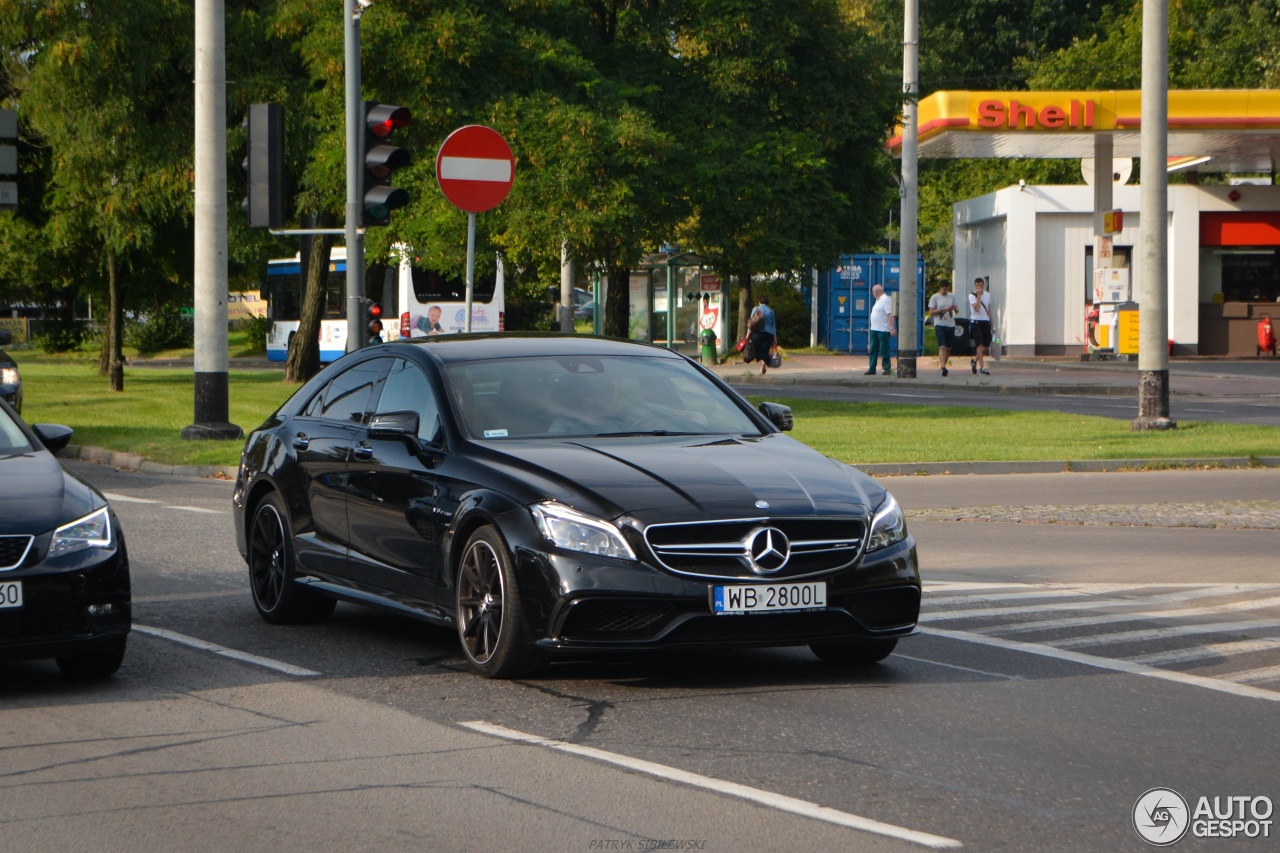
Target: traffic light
(264, 166)
(372, 312)
(381, 158)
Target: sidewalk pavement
(1008, 376)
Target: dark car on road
(10, 378)
(566, 495)
(64, 572)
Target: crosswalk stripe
(1249, 676)
(1163, 633)
(1105, 604)
(1211, 650)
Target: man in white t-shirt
(943, 308)
(980, 326)
(881, 328)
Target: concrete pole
(1153, 294)
(354, 233)
(907, 285)
(210, 248)
(566, 288)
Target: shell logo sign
(1013, 114)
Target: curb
(134, 462)
(1068, 390)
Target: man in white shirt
(980, 325)
(881, 328)
(943, 308)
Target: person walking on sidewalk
(881, 328)
(942, 308)
(980, 326)
(763, 324)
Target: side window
(407, 390)
(347, 396)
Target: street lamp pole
(1153, 294)
(907, 284)
(354, 234)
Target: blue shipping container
(844, 309)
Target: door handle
(363, 451)
(301, 441)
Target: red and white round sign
(475, 168)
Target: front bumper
(617, 608)
(56, 617)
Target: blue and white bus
(415, 302)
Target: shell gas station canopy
(1217, 130)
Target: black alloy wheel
(279, 600)
(854, 652)
(489, 613)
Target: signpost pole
(471, 265)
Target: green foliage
(54, 336)
(254, 329)
(160, 330)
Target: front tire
(854, 652)
(101, 662)
(279, 599)
(489, 614)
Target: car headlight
(8, 376)
(888, 526)
(567, 528)
(92, 531)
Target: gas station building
(1060, 261)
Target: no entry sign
(475, 168)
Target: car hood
(37, 494)
(689, 478)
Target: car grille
(721, 549)
(622, 619)
(13, 550)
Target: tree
(787, 166)
(106, 84)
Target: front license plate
(10, 595)
(768, 597)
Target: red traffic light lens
(375, 311)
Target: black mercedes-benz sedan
(64, 572)
(564, 495)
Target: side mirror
(53, 436)
(404, 426)
(778, 415)
(6, 337)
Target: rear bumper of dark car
(56, 618)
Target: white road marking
(1165, 633)
(1105, 604)
(733, 789)
(1005, 676)
(1211, 650)
(243, 657)
(1130, 667)
(125, 499)
(1266, 673)
(200, 509)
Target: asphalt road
(1087, 637)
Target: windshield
(12, 439)
(565, 396)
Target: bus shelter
(673, 297)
